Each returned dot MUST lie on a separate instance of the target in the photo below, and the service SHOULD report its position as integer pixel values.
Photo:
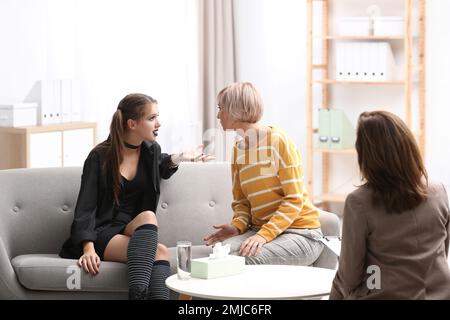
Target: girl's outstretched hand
(194, 154)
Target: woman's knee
(162, 253)
(146, 217)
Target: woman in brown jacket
(395, 237)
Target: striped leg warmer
(141, 255)
(157, 289)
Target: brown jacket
(410, 250)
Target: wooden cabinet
(45, 150)
(75, 152)
(61, 145)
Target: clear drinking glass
(184, 260)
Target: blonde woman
(274, 221)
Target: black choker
(130, 146)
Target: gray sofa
(36, 211)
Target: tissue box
(206, 268)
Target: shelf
(391, 82)
(360, 37)
(319, 66)
(417, 67)
(49, 128)
(337, 151)
(329, 197)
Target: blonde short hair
(241, 101)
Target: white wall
(438, 93)
(273, 56)
(272, 46)
(116, 47)
(112, 48)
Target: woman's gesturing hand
(252, 246)
(90, 261)
(225, 231)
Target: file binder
(342, 134)
(348, 61)
(75, 111)
(324, 128)
(50, 103)
(385, 62)
(66, 100)
(340, 61)
(355, 56)
(365, 61)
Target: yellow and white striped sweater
(268, 188)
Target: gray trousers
(292, 247)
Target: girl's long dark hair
(130, 107)
(390, 161)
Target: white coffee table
(259, 282)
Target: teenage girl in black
(114, 218)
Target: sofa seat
(51, 273)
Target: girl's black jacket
(95, 209)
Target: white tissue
(220, 251)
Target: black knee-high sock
(157, 289)
(141, 255)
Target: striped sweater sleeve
(240, 204)
(290, 173)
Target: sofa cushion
(50, 272)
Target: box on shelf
(207, 268)
(355, 26)
(18, 114)
(388, 26)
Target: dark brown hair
(130, 107)
(390, 161)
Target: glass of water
(184, 260)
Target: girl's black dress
(131, 193)
(96, 217)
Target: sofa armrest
(10, 288)
(330, 225)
